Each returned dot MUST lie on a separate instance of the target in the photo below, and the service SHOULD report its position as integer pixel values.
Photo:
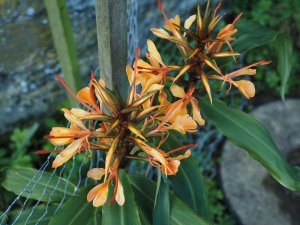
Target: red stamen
(217, 8)
(264, 62)
(237, 18)
(181, 148)
(40, 152)
(59, 78)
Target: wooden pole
(112, 22)
(64, 44)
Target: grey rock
(251, 192)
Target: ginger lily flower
(99, 193)
(76, 136)
(173, 163)
(176, 116)
(246, 87)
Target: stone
(253, 195)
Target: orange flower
(99, 193)
(173, 163)
(176, 116)
(76, 136)
(246, 87)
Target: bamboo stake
(64, 44)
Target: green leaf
(161, 211)
(75, 211)
(17, 179)
(34, 218)
(128, 213)
(251, 35)
(96, 219)
(284, 49)
(144, 191)
(189, 187)
(249, 134)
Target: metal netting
(140, 21)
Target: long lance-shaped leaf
(251, 35)
(189, 187)
(144, 192)
(75, 211)
(161, 210)
(16, 180)
(284, 48)
(113, 214)
(32, 216)
(249, 134)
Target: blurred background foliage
(17, 148)
(281, 16)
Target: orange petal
(184, 124)
(120, 198)
(160, 33)
(153, 51)
(101, 196)
(96, 173)
(177, 91)
(207, 86)
(84, 95)
(79, 112)
(157, 156)
(73, 119)
(163, 100)
(196, 114)
(246, 87)
(130, 73)
(172, 167)
(189, 21)
(98, 194)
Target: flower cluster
(126, 129)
